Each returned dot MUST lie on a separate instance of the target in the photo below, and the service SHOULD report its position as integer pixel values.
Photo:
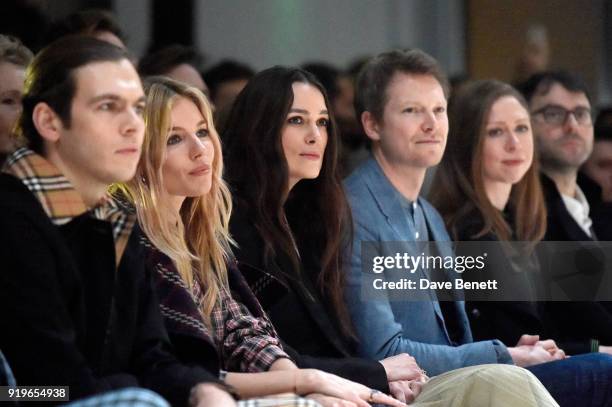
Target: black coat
(589, 319)
(70, 317)
(309, 331)
(560, 224)
(508, 320)
(601, 212)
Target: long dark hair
(317, 213)
(458, 189)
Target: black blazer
(561, 225)
(300, 317)
(601, 212)
(590, 319)
(70, 317)
(508, 320)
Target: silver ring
(372, 393)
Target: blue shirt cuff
(503, 356)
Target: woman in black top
(290, 221)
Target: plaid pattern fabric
(60, 201)
(245, 343)
(279, 401)
(129, 397)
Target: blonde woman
(183, 209)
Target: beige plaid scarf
(61, 201)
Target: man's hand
(552, 348)
(528, 340)
(549, 345)
(406, 391)
(605, 349)
(402, 367)
(526, 355)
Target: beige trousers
(484, 386)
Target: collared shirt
(415, 216)
(578, 207)
(61, 201)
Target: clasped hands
(530, 350)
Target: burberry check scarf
(60, 201)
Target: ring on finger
(372, 393)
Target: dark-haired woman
(291, 222)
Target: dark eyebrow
(111, 96)
(561, 107)
(104, 96)
(303, 111)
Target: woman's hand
(309, 381)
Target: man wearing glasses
(563, 128)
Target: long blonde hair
(199, 243)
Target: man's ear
(47, 122)
(370, 126)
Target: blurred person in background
(14, 58)
(595, 176)
(225, 81)
(101, 24)
(598, 166)
(178, 62)
(340, 90)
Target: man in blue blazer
(401, 100)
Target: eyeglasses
(557, 115)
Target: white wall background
(268, 32)
(135, 18)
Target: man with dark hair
(563, 128)
(401, 99)
(225, 81)
(100, 24)
(179, 62)
(76, 303)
